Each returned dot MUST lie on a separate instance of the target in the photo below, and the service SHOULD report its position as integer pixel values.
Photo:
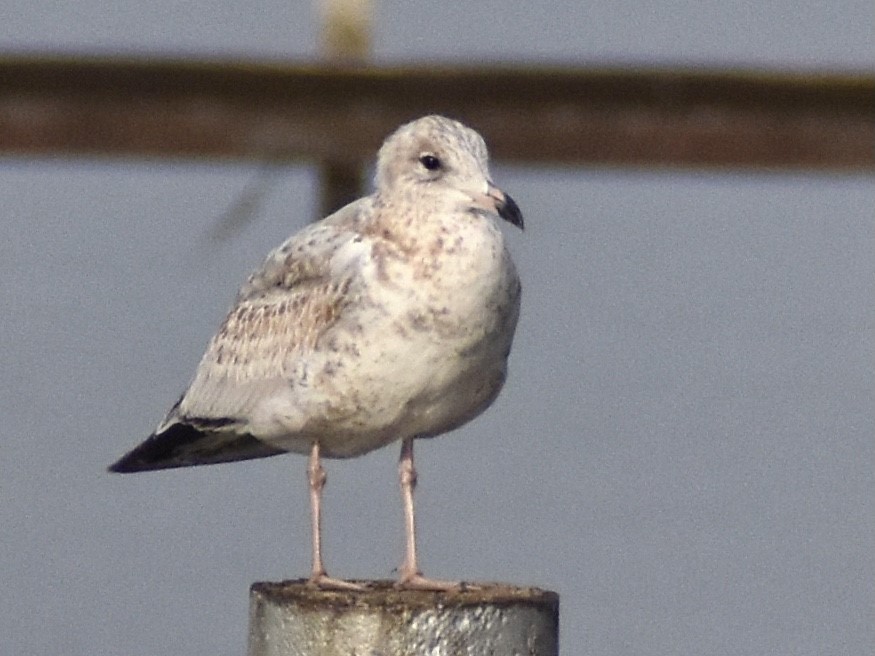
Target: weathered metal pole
(292, 619)
(346, 40)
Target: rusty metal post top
(292, 618)
(384, 593)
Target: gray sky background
(684, 449)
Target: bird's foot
(416, 581)
(325, 582)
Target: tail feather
(186, 445)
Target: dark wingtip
(183, 445)
(159, 451)
(121, 466)
(129, 464)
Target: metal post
(292, 619)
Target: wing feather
(187, 444)
(281, 313)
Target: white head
(435, 155)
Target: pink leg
(317, 477)
(409, 575)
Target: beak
(505, 206)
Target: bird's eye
(430, 162)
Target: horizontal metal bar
(532, 115)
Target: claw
(416, 581)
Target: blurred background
(683, 450)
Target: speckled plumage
(390, 319)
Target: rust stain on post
(340, 113)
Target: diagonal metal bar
(565, 116)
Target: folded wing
(281, 313)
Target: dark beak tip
(510, 212)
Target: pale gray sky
(684, 449)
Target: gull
(391, 319)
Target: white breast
(423, 350)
